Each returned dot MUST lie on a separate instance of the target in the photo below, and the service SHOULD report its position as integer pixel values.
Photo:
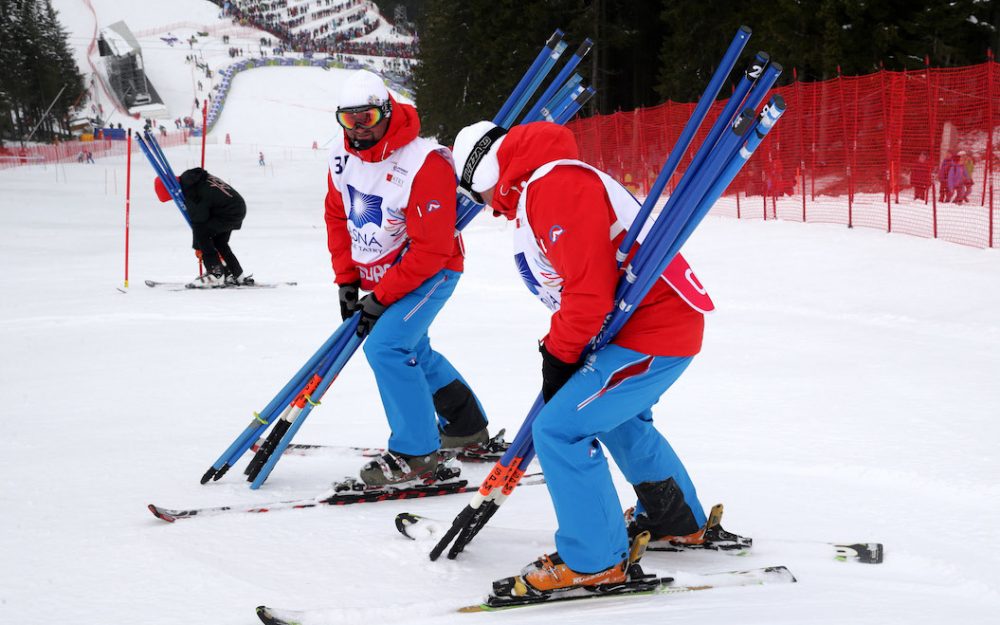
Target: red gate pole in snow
(847, 149)
(987, 169)
(128, 197)
(887, 144)
(932, 127)
(204, 130)
(800, 132)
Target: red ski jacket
(573, 199)
(433, 245)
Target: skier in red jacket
(390, 218)
(570, 218)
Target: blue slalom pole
(263, 419)
(557, 82)
(679, 148)
(169, 181)
(545, 113)
(522, 85)
(695, 177)
(536, 80)
(768, 118)
(575, 105)
(344, 355)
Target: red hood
(524, 149)
(404, 126)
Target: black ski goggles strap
(479, 151)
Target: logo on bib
(555, 232)
(365, 208)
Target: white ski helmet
(363, 89)
(475, 153)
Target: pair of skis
(186, 286)
(649, 585)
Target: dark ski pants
(212, 246)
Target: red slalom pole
(128, 197)
(204, 130)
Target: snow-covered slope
(847, 392)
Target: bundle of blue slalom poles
(161, 166)
(730, 142)
(286, 413)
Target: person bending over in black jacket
(215, 210)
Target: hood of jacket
(524, 149)
(404, 126)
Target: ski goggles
(366, 117)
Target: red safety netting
(873, 151)
(68, 151)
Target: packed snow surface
(847, 391)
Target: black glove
(348, 299)
(555, 373)
(371, 310)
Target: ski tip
(482, 607)
(403, 522)
(161, 514)
(150, 283)
(780, 573)
(866, 553)
(268, 617)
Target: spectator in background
(920, 177)
(944, 195)
(959, 180)
(967, 162)
(260, 159)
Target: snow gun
(289, 409)
(735, 135)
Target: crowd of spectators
(292, 25)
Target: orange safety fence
(912, 152)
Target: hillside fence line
(855, 150)
(860, 151)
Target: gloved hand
(348, 294)
(371, 310)
(555, 373)
(197, 253)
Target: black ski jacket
(212, 202)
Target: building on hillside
(123, 64)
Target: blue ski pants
(607, 400)
(407, 370)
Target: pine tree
(37, 64)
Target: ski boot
(711, 536)
(549, 579)
(211, 280)
(392, 469)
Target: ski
(649, 585)
(183, 286)
(347, 492)
(415, 527)
(644, 585)
(490, 452)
